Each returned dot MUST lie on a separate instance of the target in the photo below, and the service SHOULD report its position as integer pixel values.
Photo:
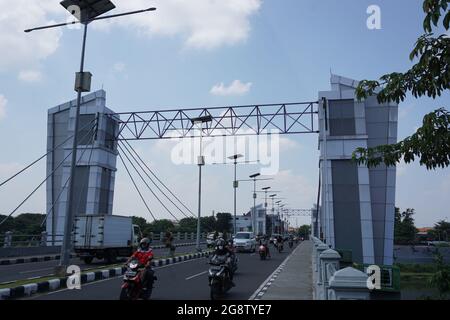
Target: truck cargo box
(103, 231)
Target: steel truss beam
(288, 118)
(297, 212)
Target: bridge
(342, 125)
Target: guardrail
(10, 239)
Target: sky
(200, 53)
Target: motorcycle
(291, 244)
(132, 288)
(220, 277)
(262, 252)
(280, 247)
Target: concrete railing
(332, 283)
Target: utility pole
(84, 12)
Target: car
(245, 241)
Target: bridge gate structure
(356, 206)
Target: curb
(61, 283)
(8, 262)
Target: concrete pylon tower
(96, 163)
(357, 203)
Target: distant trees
(441, 230)
(224, 222)
(25, 224)
(304, 231)
(221, 223)
(404, 229)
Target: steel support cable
(41, 184)
(67, 181)
(145, 182)
(45, 155)
(156, 177)
(135, 185)
(156, 185)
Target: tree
(158, 226)
(442, 230)
(224, 222)
(304, 231)
(25, 224)
(404, 229)
(208, 224)
(441, 278)
(188, 225)
(430, 76)
(139, 221)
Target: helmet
(221, 243)
(144, 244)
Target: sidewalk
(293, 279)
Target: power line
(42, 157)
(156, 185)
(156, 177)
(145, 182)
(137, 189)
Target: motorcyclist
(223, 249)
(291, 240)
(144, 255)
(264, 241)
(279, 241)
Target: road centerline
(196, 275)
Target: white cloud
(236, 88)
(3, 103)
(26, 50)
(119, 67)
(203, 24)
(30, 76)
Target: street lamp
(253, 177)
(272, 196)
(279, 218)
(265, 190)
(235, 185)
(86, 11)
(201, 162)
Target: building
(357, 203)
(259, 219)
(243, 223)
(96, 163)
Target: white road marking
(104, 280)
(197, 275)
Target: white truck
(105, 237)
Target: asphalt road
(183, 281)
(45, 268)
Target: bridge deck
(293, 280)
